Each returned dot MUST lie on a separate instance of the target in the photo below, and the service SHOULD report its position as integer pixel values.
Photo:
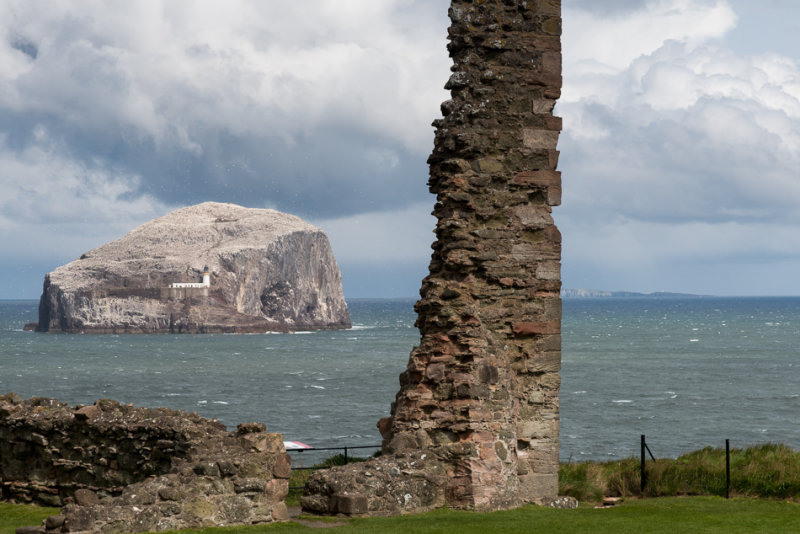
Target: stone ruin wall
(116, 468)
(476, 422)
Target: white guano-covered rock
(269, 271)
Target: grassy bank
(770, 471)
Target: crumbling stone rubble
(117, 468)
(475, 424)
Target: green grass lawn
(770, 471)
(14, 515)
(670, 515)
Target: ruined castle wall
(479, 398)
(126, 469)
(482, 387)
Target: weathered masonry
(475, 424)
(116, 468)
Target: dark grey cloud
(25, 46)
(327, 172)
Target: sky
(680, 154)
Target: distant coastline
(580, 293)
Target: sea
(686, 372)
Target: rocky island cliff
(266, 271)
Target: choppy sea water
(686, 372)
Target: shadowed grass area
(769, 470)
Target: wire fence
(644, 447)
(345, 451)
(643, 466)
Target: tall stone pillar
(478, 401)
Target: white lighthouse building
(204, 284)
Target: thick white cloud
(614, 41)
(171, 71)
(262, 102)
(676, 151)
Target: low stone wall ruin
(117, 468)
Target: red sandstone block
(552, 235)
(553, 92)
(385, 426)
(552, 122)
(283, 466)
(542, 178)
(552, 158)
(537, 328)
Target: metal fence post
(727, 469)
(644, 476)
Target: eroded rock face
(479, 398)
(269, 271)
(118, 468)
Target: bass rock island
(209, 268)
